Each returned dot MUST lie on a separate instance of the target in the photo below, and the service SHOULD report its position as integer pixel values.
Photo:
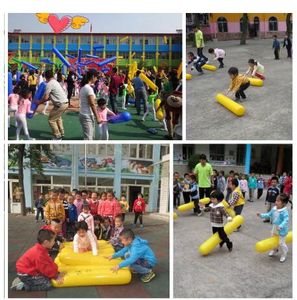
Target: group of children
(83, 220)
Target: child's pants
(251, 193)
(282, 245)
(220, 60)
(242, 88)
(70, 230)
(222, 234)
(196, 206)
(259, 193)
(35, 283)
(141, 266)
(103, 131)
(276, 53)
(138, 215)
(39, 211)
(21, 124)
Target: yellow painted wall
(235, 17)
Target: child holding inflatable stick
(219, 55)
(280, 224)
(194, 192)
(138, 256)
(217, 212)
(255, 69)
(198, 62)
(239, 83)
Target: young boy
(276, 47)
(194, 191)
(115, 237)
(72, 218)
(138, 255)
(219, 55)
(139, 209)
(217, 212)
(198, 62)
(35, 268)
(239, 83)
(271, 196)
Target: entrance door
(133, 191)
(15, 195)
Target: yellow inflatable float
(159, 112)
(144, 78)
(256, 81)
(214, 240)
(234, 107)
(209, 67)
(175, 216)
(84, 269)
(190, 205)
(188, 76)
(271, 243)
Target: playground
(22, 232)
(268, 109)
(242, 273)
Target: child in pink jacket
(108, 206)
(101, 202)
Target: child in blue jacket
(138, 255)
(280, 224)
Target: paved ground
(21, 236)
(268, 108)
(135, 129)
(243, 273)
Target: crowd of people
(100, 95)
(83, 218)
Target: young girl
(239, 83)
(280, 224)
(103, 111)
(108, 208)
(217, 212)
(86, 216)
(124, 206)
(219, 55)
(24, 107)
(115, 236)
(243, 185)
(84, 240)
(139, 209)
(221, 185)
(13, 100)
(255, 69)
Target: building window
(240, 154)
(72, 39)
(48, 39)
(257, 23)
(188, 151)
(217, 152)
(60, 39)
(25, 39)
(61, 149)
(273, 25)
(222, 24)
(189, 18)
(36, 39)
(85, 39)
(13, 39)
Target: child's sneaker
(230, 246)
(282, 258)
(272, 252)
(17, 284)
(148, 277)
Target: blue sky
(104, 23)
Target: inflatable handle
(106, 61)
(61, 57)
(191, 205)
(271, 243)
(255, 81)
(144, 78)
(29, 65)
(38, 96)
(209, 67)
(122, 117)
(231, 105)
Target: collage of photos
(119, 186)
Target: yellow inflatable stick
(230, 211)
(159, 112)
(175, 216)
(234, 107)
(188, 76)
(272, 243)
(214, 240)
(124, 38)
(209, 67)
(179, 70)
(190, 205)
(256, 81)
(144, 78)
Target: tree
(289, 24)
(193, 161)
(245, 27)
(21, 156)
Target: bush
(193, 161)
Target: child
(138, 255)
(219, 55)
(124, 206)
(243, 185)
(84, 240)
(35, 268)
(93, 203)
(139, 209)
(108, 208)
(276, 47)
(255, 69)
(194, 190)
(221, 185)
(185, 185)
(288, 45)
(72, 218)
(78, 202)
(239, 83)
(86, 216)
(103, 111)
(198, 62)
(101, 203)
(39, 205)
(217, 212)
(280, 220)
(107, 231)
(115, 237)
(260, 186)
(98, 227)
(13, 100)
(271, 195)
(229, 181)
(252, 184)
(24, 107)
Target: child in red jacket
(139, 209)
(35, 268)
(108, 206)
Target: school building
(126, 169)
(160, 50)
(261, 159)
(224, 26)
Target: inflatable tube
(29, 66)
(175, 216)
(61, 57)
(206, 247)
(9, 83)
(79, 55)
(38, 96)
(19, 73)
(159, 112)
(92, 56)
(272, 243)
(120, 118)
(96, 47)
(190, 205)
(179, 70)
(70, 56)
(255, 81)
(231, 105)
(188, 76)
(144, 78)
(107, 61)
(209, 67)
(47, 61)
(230, 211)
(155, 69)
